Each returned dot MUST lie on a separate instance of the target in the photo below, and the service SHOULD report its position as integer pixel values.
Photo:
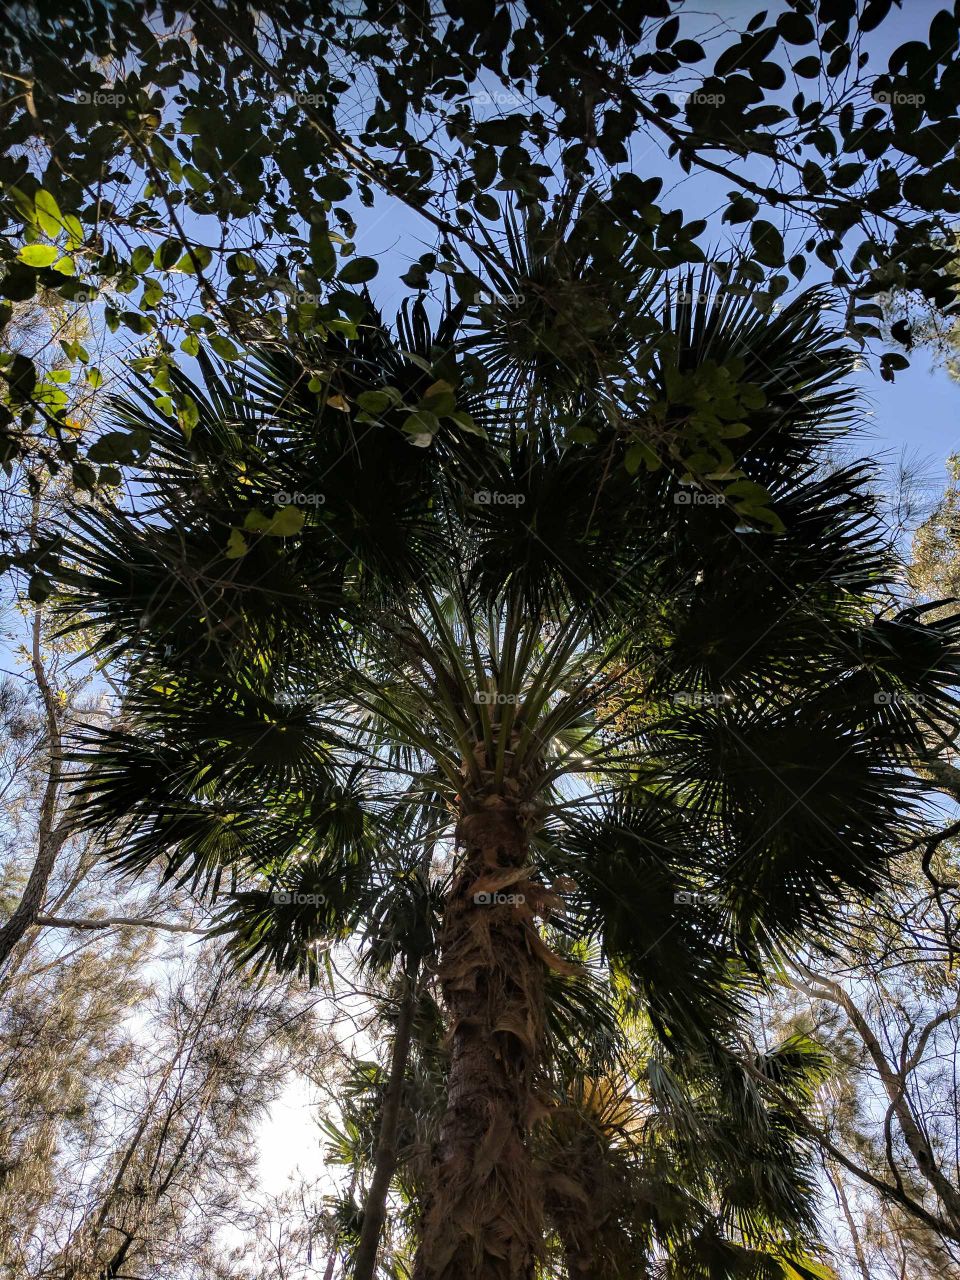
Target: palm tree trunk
(484, 1216)
(385, 1162)
(578, 1267)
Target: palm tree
(581, 564)
(649, 1159)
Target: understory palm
(578, 579)
(652, 1161)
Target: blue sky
(918, 413)
(914, 418)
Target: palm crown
(577, 577)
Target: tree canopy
(195, 173)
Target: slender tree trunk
(385, 1162)
(836, 1178)
(334, 1251)
(484, 1216)
(50, 837)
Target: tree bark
(484, 1214)
(385, 1161)
(116, 922)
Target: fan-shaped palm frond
(581, 577)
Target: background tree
(151, 1153)
(127, 1135)
(934, 569)
(887, 1011)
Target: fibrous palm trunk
(484, 1217)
